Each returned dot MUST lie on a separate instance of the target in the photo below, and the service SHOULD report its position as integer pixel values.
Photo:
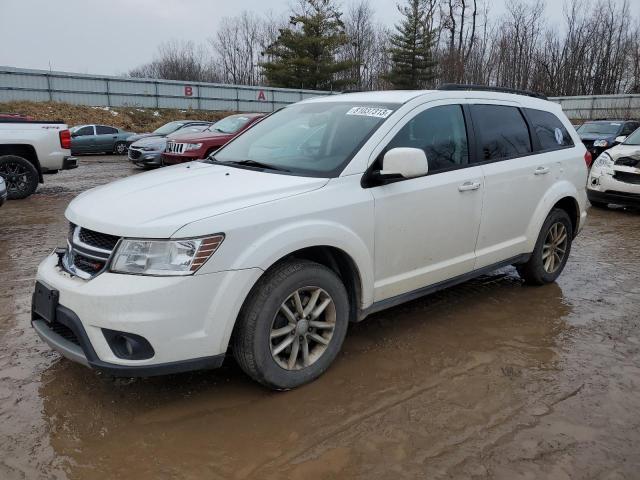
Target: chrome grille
(88, 252)
(173, 147)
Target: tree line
(321, 44)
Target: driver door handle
(466, 186)
(541, 170)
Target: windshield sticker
(559, 135)
(370, 112)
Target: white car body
(41, 138)
(615, 176)
(383, 232)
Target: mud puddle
(490, 379)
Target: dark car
(189, 147)
(3, 191)
(147, 152)
(600, 135)
(98, 139)
(168, 129)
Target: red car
(195, 146)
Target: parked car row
(188, 142)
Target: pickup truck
(28, 150)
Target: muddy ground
(491, 379)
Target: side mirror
(406, 162)
(621, 138)
(74, 135)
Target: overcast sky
(110, 37)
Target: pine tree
(412, 64)
(304, 55)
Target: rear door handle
(541, 170)
(466, 186)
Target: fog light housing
(128, 346)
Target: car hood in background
(157, 204)
(622, 150)
(201, 136)
(138, 136)
(155, 142)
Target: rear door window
(103, 130)
(550, 131)
(502, 132)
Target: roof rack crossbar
(487, 88)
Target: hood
(156, 204)
(622, 150)
(591, 136)
(157, 142)
(192, 137)
(138, 136)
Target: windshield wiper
(253, 163)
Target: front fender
(269, 248)
(557, 192)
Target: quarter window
(551, 132)
(441, 133)
(502, 130)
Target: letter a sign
(261, 96)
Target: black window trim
(368, 179)
(533, 132)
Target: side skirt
(421, 292)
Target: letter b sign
(188, 91)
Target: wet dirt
(491, 379)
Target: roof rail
(487, 88)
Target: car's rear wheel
(292, 325)
(20, 176)
(120, 148)
(551, 251)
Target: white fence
(96, 90)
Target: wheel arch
(562, 195)
(26, 151)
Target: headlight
(193, 146)
(600, 143)
(164, 257)
(603, 161)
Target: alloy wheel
(16, 176)
(555, 247)
(302, 328)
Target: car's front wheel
(292, 325)
(551, 251)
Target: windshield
(315, 139)
(600, 128)
(633, 139)
(229, 124)
(168, 128)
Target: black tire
(20, 175)
(533, 272)
(601, 205)
(252, 343)
(120, 148)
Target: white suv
(323, 213)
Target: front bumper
(173, 159)
(602, 187)
(145, 157)
(187, 320)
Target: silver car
(147, 151)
